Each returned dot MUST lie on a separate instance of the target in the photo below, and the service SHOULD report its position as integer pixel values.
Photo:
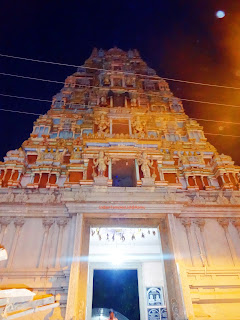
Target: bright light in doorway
(117, 258)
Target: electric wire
(206, 133)
(18, 111)
(43, 100)
(26, 98)
(97, 87)
(138, 74)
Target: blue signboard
(154, 314)
(155, 296)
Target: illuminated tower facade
(116, 150)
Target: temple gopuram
(116, 175)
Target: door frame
(108, 266)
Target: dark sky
(179, 39)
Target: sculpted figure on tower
(100, 163)
(145, 164)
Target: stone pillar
(4, 175)
(236, 223)
(110, 126)
(77, 288)
(137, 170)
(130, 126)
(110, 169)
(187, 224)
(111, 101)
(178, 309)
(224, 224)
(61, 222)
(47, 223)
(83, 280)
(200, 223)
(19, 174)
(201, 177)
(32, 177)
(12, 173)
(4, 222)
(161, 175)
(19, 222)
(186, 177)
(49, 175)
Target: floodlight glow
(117, 258)
(220, 14)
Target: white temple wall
(30, 240)
(212, 288)
(152, 274)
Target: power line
(26, 98)
(138, 74)
(29, 78)
(221, 134)
(222, 121)
(206, 133)
(97, 87)
(18, 111)
(43, 100)
(213, 103)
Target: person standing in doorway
(111, 315)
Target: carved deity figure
(106, 81)
(133, 102)
(102, 124)
(129, 81)
(76, 154)
(101, 163)
(145, 164)
(138, 125)
(40, 156)
(60, 155)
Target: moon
(220, 14)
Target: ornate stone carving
(49, 197)
(234, 199)
(76, 155)
(100, 163)
(4, 221)
(21, 197)
(223, 223)
(200, 223)
(138, 125)
(47, 222)
(7, 197)
(146, 164)
(62, 222)
(170, 196)
(198, 199)
(221, 199)
(236, 223)
(186, 223)
(19, 222)
(103, 124)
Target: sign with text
(155, 296)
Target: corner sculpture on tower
(116, 99)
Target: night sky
(179, 39)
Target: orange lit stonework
(116, 148)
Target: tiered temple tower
(117, 149)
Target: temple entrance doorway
(124, 173)
(126, 273)
(117, 289)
